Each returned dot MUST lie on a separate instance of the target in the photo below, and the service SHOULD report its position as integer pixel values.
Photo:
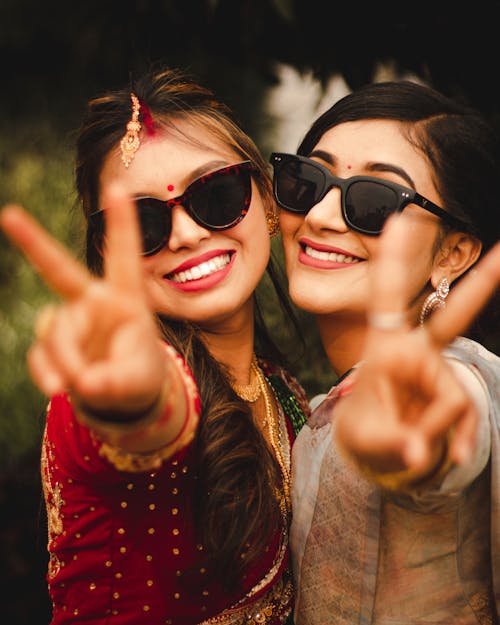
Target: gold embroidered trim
(52, 492)
(274, 605)
(139, 462)
(482, 604)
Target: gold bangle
(406, 480)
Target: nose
(327, 213)
(185, 231)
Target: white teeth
(201, 270)
(330, 256)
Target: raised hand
(101, 344)
(407, 405)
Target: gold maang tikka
(131, 142)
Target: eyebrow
(371, 166)
(207, 168)
(196, 173)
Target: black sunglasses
(299, 183)
(217, 201)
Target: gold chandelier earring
(435, 300)
(273, 223)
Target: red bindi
(348, 166)
(170, 187)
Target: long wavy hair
(457, 141)
(234, 498)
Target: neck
(233, 346)
(343, 338)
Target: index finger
(61, 271)
(466, 299)
(122, 256)
(389, 274)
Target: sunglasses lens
(217, 201)
(368, 205)
(298, 185)
(155, 222)
(220, 201)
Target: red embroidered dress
(121, 533)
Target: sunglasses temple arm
(421, 201)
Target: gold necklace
(250, 392)
(275, 438)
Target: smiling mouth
(332, 257)
(202, 270)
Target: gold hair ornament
(131, 142)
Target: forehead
(361, 147)
(373, 140)
(172, 152)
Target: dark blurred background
(55, 55)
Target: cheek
(149, 264)
(290, 224)
(151, 271)
(421, 247)
(419, 270)
(251, 237)
(254, 226)
(258, 242)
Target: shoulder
(472, 352)
(474, 356)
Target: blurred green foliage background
(39, 176)
(55, 55)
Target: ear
(457, 253)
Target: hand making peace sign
(101, 343)
(406, 398)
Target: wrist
(156, 439)
(121, 418)
(409, 479)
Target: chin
(326, 300)
(310, 301)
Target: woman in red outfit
(166, 454)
